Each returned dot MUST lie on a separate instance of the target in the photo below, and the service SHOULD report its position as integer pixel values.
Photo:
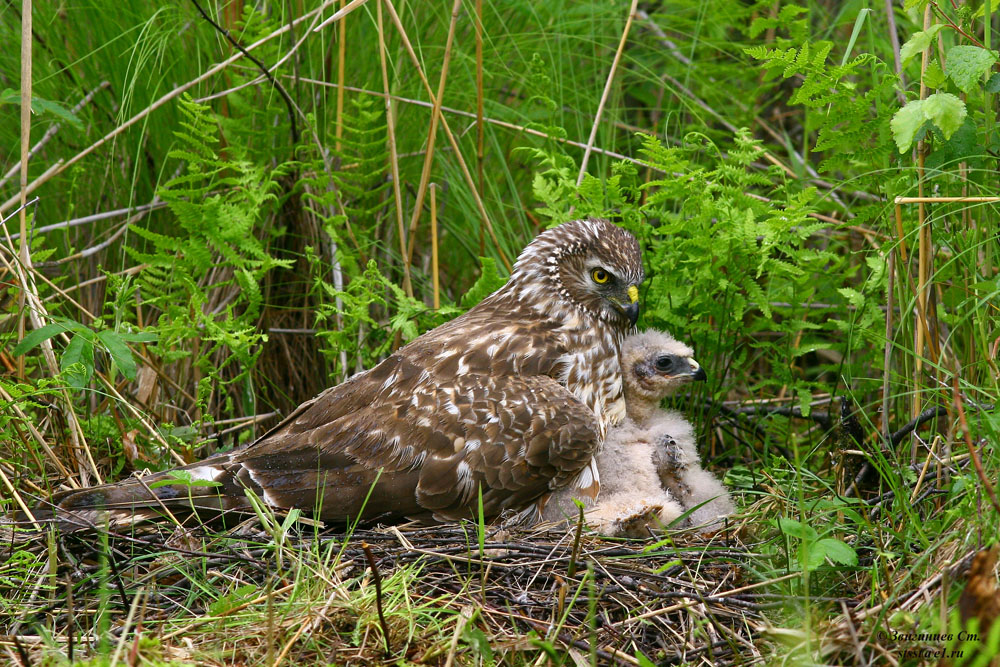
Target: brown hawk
(512, 398)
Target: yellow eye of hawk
(600, 276)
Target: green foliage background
(755, 148)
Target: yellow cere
(633, 293)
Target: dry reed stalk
(887, 351)
(390, 122)
(38, 314)
(451, 137)
(899, 231)
(607, 91)
(434, 248)
(973, 454)
(947, 200)
(341, 53)
(486, 119)
(25, 155)
(20, 501)
(425, 173)
(923, 252)
(480, 127)
(340, 13)
(49, 452)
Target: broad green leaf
(40, 106)
(918, 42)
(34, 338)
(79, 354)
(643, 660)
(905, 124)
(946, 111)
(479, 643)
(837, 550)
(794, 528)
(968, 64)
(120, 354)
(811, 556)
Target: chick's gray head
(654, 365)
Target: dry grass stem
(425, 173)
(393, 157)
(451, 137)
(607, 91)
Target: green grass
(254, 279)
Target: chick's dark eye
(600, 276)
(664, 363)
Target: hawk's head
(655, 365)
(590, 264)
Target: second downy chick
(633, 498)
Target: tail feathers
(208, 489)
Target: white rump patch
(588, 481)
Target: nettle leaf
(905, 124)
(946, 111)
(968, 64)
(794, 528)
(837, 550)
(934, 77)
(918, 42)
(811, 556)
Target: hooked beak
(631, 309)
(697, 372)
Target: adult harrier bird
(514, 398)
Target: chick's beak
(631, 308)
(697, 372)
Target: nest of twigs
(675, 598)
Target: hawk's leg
(672, 464)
